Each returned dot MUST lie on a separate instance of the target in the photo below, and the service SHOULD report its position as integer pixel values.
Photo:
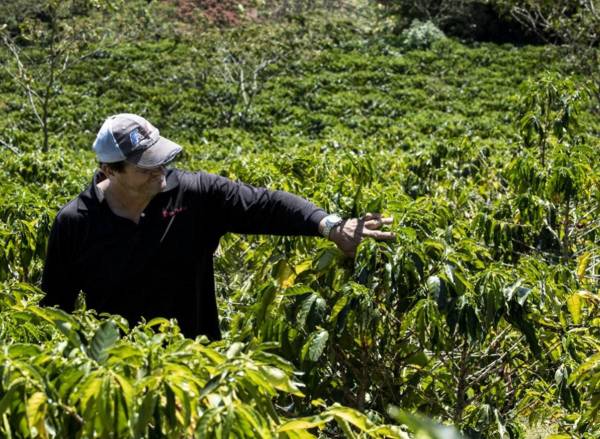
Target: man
(139, 241)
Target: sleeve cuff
(315, 219)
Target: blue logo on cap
(134, 137)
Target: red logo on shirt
(171, 213)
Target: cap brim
(161, 153)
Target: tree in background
(573, 23)
(564, 21)
(44, 38)
(468, 19)
(551, 21)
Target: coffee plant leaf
(104, 338)
(423, 427)
(305, 423)
(315, 345)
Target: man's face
(140, 181)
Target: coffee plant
(483, 314)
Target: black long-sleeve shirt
(163, 265)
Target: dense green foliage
(519, 21)
(483, 313)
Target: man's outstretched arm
(243, 208)
(247, 209)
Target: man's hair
(116, 166)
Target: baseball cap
(130, 137)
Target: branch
(487, 371)
(531, 20)
(10, 147)
(30, 92)
(495, 341)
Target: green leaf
(305, 423)
(128, 391)
(423, 427)
(314, 347)
(408, 233)
(438, 291)
(36, 408)
(517, 292)
(126, 353)
(574, 303)
(325, 259)
(297, 290)
(305, 308)
(280, 380)
(338, 307)
(434, 286)
(144, 413)
(227, 423)
(89, 390)
(582, 266)
(586, 369)
(267, 295)
(23, 350)
(209, 421)
(157, 321)
(522, 294)
(8, 398)
(63, 321)
(247, 414)
(284, 274)
(260, 381)
(234, 349)
(211, 385)
(171, 405)
(418, 358)
(434, 248)
(461, 283)
(104, 338)
(350, 415)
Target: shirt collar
(93, 196)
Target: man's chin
(162, 185)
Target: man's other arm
(59, 279)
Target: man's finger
(379, 235)
(378, 222)
(373, 223)
(369, 216)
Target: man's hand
(351, 232)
